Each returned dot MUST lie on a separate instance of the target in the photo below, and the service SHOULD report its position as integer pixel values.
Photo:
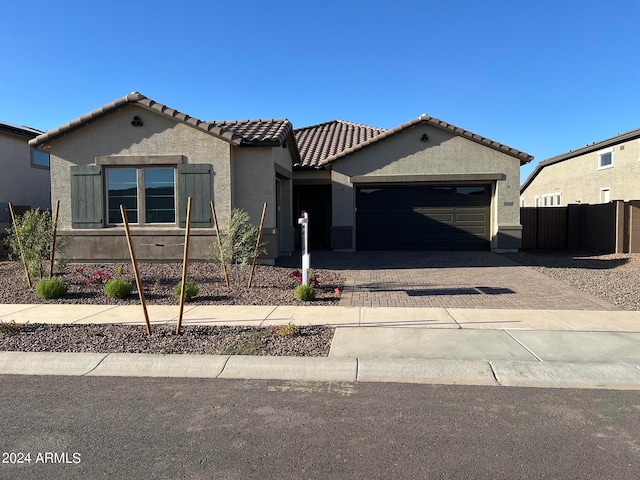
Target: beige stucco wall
(443, 154)
(579, 180)
(22, 183)
(159, 135)
(242, 177)
(254, 171)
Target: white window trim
(602, 190)
(551, 199)
(604, 152)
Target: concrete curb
(326, 369)
(615, 376)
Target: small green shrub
(191, 290)
(288, 330)
(51, 288)
(304, 292)
(118, 288)
(244, 348)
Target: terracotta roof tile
(319, 142)
(257, 131)
(239, 133)
(323, 144)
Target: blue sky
(541, 76)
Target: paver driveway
(449, 280)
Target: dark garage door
(434, 217)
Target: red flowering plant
(313, 281)
(93, 278)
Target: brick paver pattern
(450, 280)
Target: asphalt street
(164, 428)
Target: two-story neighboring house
(597, 173)
(24, 171)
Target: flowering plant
(310, 274)
(97, 277)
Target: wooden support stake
(185, 261)
(135, 269)
(24, 262)
(257, 251)
(224, 265)
(53, 240)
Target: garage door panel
(423, 217)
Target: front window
(159, 195)
(122, 188)
(147, 190)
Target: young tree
(33, 234)
(238, 239)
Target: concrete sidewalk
(542, 348)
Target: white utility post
(306, 257)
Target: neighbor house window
(148, 195)
(605, 159)
(40, 159)
(605, 195)
(551, 200)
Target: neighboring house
(598, 173)
(151, 158)
(424, 185)
(24, 172)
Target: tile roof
(608, 142)
(318, 143)
(257, 131)
(240, 133)
(317, 155)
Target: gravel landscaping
(612, 277)
(270, 286)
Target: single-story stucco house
(425, 184)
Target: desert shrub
(191, 290)
(51, 288)
(11, 327)
(288, 330)
(118, 288)
(304, 292)
(33, 230)
(238, 240)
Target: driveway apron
(449, 280)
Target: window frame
(601, 154)
(551, 199)
(141, 200)
(602, 190)
(35, 164)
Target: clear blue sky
(541, 76)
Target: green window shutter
(86, 196)
(194, 180)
